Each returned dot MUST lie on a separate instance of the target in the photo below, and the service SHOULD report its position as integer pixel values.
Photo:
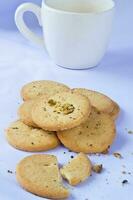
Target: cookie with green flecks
(44, 87)
(62, 111)
(39, 174)
(26, 138)
(24, 112)
(94, 136)
(101, 101)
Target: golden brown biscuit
(24, 112)
(45, 87)
(39, 174)
(28, 138)
(93, 136)
(61, 111)
(77, 170)
(97, 99)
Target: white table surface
(22, 62)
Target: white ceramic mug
(75, 32)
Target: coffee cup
(75, 32)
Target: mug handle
(23, 28)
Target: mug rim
(78, 13)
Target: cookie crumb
(9, 171)
(130, 132)
(72, 156)
(32, 143)
(123, 172)
(117, 155)
(124, 181)
(97, 168)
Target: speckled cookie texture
(28, 138)
(24, 112)
(97, 99)
(61, 111)
(94, 136)
(39, 174)
(45, 87)
(77, 170)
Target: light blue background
(22, 62)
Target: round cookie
(24, 112)
(37, 88)
(39, 174)
(94, 136)
(97, 99)
(61, 111)
(31, 139)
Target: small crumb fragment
(124, 181)
(72, 156)
(117, 155)
(97, 168)
(130, 132)
(9, 171)
(123, 172)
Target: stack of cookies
(53, 114)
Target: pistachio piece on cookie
(62, 111)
